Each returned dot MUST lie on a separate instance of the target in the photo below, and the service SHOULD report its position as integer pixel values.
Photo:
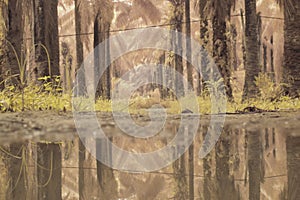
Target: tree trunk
(11, 40)
(291, 65)
(188, 44)
(46, 33)
(252, 68)
(204, 38)
(3, 18)
(101, 57)
(178, 15)
(220, 52)
(81, 88)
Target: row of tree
(38, 20)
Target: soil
(55, 126)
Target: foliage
(267, 88)
(47, 96)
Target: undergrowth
(49, 96)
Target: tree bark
(11, 40)
(291, 64)
(188, 44)
(178, 15)
(3, 18)
(100, 58)
(204, 38)
(252, 68)
(220, 52)
(80, 86)
(46, 33)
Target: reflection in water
(254, 163)
(245, 164)
(293, 163)
(48, 165)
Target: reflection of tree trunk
(31, 172)
(181, 191)
(16, 172)
(225, 181)
(105, 174)
(254, 164)
(88, 185)
(81, 158)
(191, 168)
(49, 171)
(181, 188)
(293, 166)
(208, 184)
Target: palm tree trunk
(100, 57)
(291, 66)
(46, 33)
(81, 88)
(220, 52)
(252, 68)
(11, 40)
(188, 44)
(3, 18)
(178, 15)
(204, 35)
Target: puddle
(256, 157)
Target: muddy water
(256, 157)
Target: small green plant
(267, 88)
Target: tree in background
(176, 25)
(103, 17)
(11, 40)
(46, 38)
(252, 68)
(291, 63)
(188, 43)
(220, 14)
(204, 38)
(79, 14)
(3, 11)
